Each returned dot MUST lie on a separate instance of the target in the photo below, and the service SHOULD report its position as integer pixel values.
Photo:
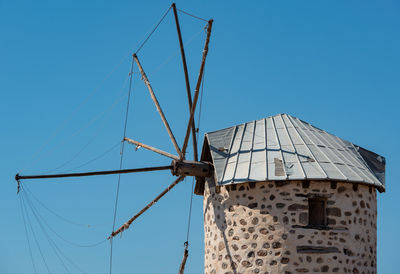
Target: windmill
(180, 166)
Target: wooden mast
(185, 70)
(196, 92)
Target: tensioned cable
(62, 125)
(171, 56)
(33, 208)
(95, 158)
(53, 245)
(78, 153)
(121, 160)
(190, 214)
(117, 101)
(64, 122)
(27, 235)
(197, 133)
(194, 16)
(201, 102)
(154, 29)
(34, 237)
(24, 187)
(56, 132)
(88, 124)
(159, 22)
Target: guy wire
(121, 160)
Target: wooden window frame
(314, 209)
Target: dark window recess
(317, 212)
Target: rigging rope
(87, 125)
(174, 54)
(34, 236)
(194, 16)
(51, 242)
(27, 235)
(62, 125)
(57, 131)
(160, 21)
(121, 159)
(95, 158)
(154, 29)
(33, 209)
(24, 199)
(24, 187)
(186, 244)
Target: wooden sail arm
(196, 92)
(159, 151)
(155, 200)
(157, 104)
(185, 70)
(184, 259)
(93, 173)
(177, 167)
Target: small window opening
(317, 212)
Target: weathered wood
(159, 151)
(130, 221)
(154, 98)
(196, 92)
(94, 173)
(183, 263)
(316, 249)
(317, 211)
(191, 168)
(185, 70)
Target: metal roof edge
(371, 162)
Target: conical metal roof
(283, 147)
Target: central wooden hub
(192, 168)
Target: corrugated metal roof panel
(283, 147)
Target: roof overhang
(283, 147)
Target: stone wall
(263, 228)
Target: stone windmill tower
(287, 197)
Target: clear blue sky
(63, 72)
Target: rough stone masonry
(263, 227)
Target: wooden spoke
(154, 98)
(185, 70)
(93, 173)
(184, 259)
(196, 92)
(159, 151)
(130, 221)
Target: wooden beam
(154, 98)
(129, 222)
(94, 173)
(159, 151)
(192, 168)
(196, 92)
(185, 70)
(184, 259)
